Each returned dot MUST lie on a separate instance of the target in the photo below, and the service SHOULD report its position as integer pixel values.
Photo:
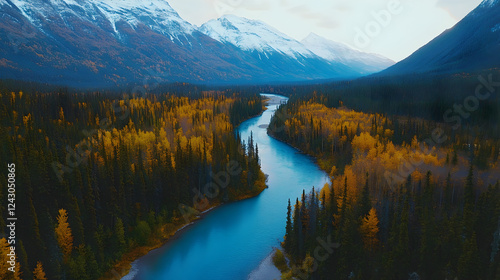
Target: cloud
(328, 23)
(458, 8)
(338, 20)
(298, 9)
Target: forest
(409, 198)
(427, 96)
(103, 174)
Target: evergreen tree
(289, 242)
(298, 231)
(468, 264)
(469, 214)
(332, 210)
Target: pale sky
(411, 24)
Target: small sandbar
(266, 270)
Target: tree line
(99, 174)
(398, 207)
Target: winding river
(235, 240)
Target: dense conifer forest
(100, 174)
(410, 197)
(106, 176)
(427, 96)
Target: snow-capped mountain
(253, 35)
(116, 42)
(271, 48)
(473, 44)
(157, 14)
(365, 63)
(488, 3)
(113, 42)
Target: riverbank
(169, 232)
(217, 238)
(174, 229)
(321, 163)
(273, 100)
(266, 270)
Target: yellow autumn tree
(7, 271)
(38, 273)
(63, 233)
(363, 143)
(3, 258)
(369, 229)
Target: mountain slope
(253, 35)
(93, 43)
(472, 44)
(364, 63)
(272, 49)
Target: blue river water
(230, 242)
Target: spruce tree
(289, 229)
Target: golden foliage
(363, 143)
(334, 120)
(5, 267)
(373, 151)
(386, 157)
(191, 124)
(369, 229)
(63, 233)
(38, 273)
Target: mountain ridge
(117, 42)
(471, 45)
(366, 63)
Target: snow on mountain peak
(131, 4)
(489, 3)
(339, 52)
(324, 48)
(253, 35)
(157, 14)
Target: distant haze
(391, 28)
